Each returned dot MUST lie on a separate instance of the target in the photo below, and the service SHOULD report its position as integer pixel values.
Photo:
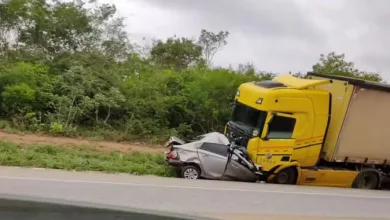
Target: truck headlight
(259, 101)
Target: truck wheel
(190, 172)
(366, 179)
(286, 176)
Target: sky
(275, 35)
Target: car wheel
(190, 172)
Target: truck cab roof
(265, 94)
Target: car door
(237, 171)
(213, 158)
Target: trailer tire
(367, 179)
(286, 176)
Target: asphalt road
(225, 200)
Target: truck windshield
(243, 114)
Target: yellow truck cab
(315, 131)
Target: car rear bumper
(174, 163)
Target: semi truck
(321, 130)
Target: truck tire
(286, 176)
(367, 179)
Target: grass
(82, 159)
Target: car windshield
(243, 114)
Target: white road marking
(193, 187)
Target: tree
(70, 67)
(211, 43)
(247, 69)
(298, 75)
(112, 99)
(335, 64)
(177, 53)
(56, 27)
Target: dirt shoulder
(31, 139)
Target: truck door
(277, 142)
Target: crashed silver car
(211, 156)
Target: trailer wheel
(286, 176)
(367, 179)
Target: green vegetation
(83, 158)
(69, 69)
